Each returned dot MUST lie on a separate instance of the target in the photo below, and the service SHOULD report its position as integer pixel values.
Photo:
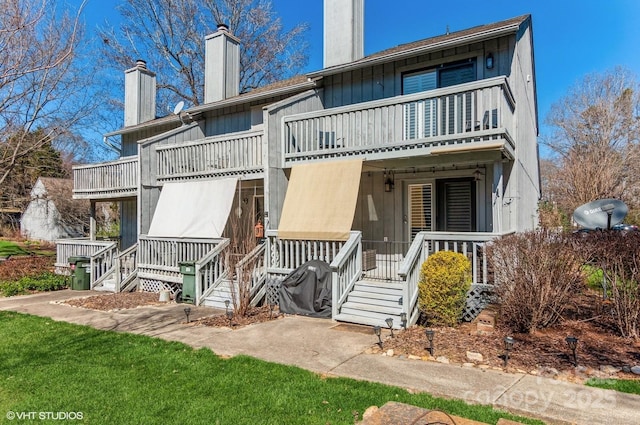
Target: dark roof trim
(471, 35)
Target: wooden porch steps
(371, 303)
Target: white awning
(193, 209)
(321, 201)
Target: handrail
(102, 264)
(128, 273)
(405, 98)
(258, 275)
(122, 160)
(346, 270)
(210, 271)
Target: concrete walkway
(321, 346)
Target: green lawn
(622, 385)
(116, 378)
(10, 248)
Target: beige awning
(321, 201)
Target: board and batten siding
(149, 190)
(276, 179)
(385, 80)
(128, 223)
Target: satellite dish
(601, 214)
(178, 108)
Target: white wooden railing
(220, 155)
(126, 268)
(107, 179)
(253, 266)
(66, 248)
(102, 264)
(470, 244)
(467, 113)
(211, 270)
(286, 255)
(346, 270)
(158, 257)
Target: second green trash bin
(80, 273)
(188, 270)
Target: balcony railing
(235, 154)
(479, 112)
(115, 179)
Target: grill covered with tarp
(307, 290)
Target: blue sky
(571, 38)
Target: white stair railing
(126, 267)
(102, 264)
(211, 270)
(253, 267)
(346, 271)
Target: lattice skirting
(478, 297)
(273, 285)
(152, 285)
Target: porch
(106, 180)
(474, 116)
(368, 293)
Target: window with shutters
(456, 205)
(421, 117)
(420, 208)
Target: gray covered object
(307, 290)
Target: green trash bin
(80, 273)
(188, 294)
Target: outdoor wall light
(187, 312)
(389, 322)
(403, 320)
(377, 331)
(388, 184)
(489, 61)
(430, 334)
(508, 346)
(572, 342)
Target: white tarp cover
(321, 201)
(193, 209)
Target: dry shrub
(536, 275)
(445, 279)
(17, 267)
(618, 255)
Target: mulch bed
(118, 301)
(254, 315)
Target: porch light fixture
(388, 184)
(572, 342)
(377, 331)
(389, 322)
(403, 320)
(430, 334)
(477, 175)
(508, 346)
(187, 312)
(489, 61)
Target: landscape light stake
(508, 346)
(226, 306)
(572, 342)
(430, 334)
(187, 312)
(230, 316)
(389, 322)
(271, 307)
(377, 331)
(403, 320)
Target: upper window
(444, 76)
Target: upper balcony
(466, 117)
(107, 180)
(237, 154)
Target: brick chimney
(139, 94)
(343, 31)
(222, 65)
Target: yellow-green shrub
(445, 279)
